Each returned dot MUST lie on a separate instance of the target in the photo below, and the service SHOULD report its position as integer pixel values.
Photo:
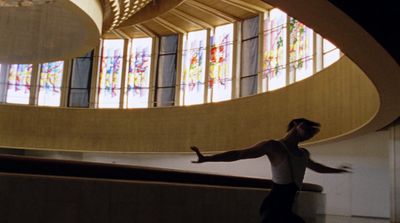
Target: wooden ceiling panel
(192, 15)
(151, 11)
(207, 8)
(157, 28)
(110, 35)
(207, 17)
(133, 32)
(229, 8)
(256, 4)
(183, 23)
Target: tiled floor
(344, 219)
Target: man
(288, 165)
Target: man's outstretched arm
(317, 167)
(258, 150)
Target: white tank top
(291, 169)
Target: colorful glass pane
(110, 74)
(220, 76)
(274, 56)
(192, 82)
(19, 83)
(50, 83)
(331, 53)
(300, 50)
(138, 78)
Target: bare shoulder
(273, 146)
(276, 152)
(273, 143)
(306, 152)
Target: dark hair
(306, 122)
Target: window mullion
(122, 86)
(94, 83)
(65, 82)
(153, 70)
(319, 58)
(3, 82)
(179, 69)
(207, 66)
(237, 44)
(287, 50)
(35, 84)
(260, 52)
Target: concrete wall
(365, 192)
(395, 171)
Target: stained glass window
(19, 83)
(138, 77)
(274, 55)
(220, 76)
(192, 82)
(50, 83)
(110, 74)
(300, 50)
(330, 53)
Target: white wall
(395, 171)
(365, 192)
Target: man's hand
(200, 157)
(345, 168)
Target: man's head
(304, 128)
